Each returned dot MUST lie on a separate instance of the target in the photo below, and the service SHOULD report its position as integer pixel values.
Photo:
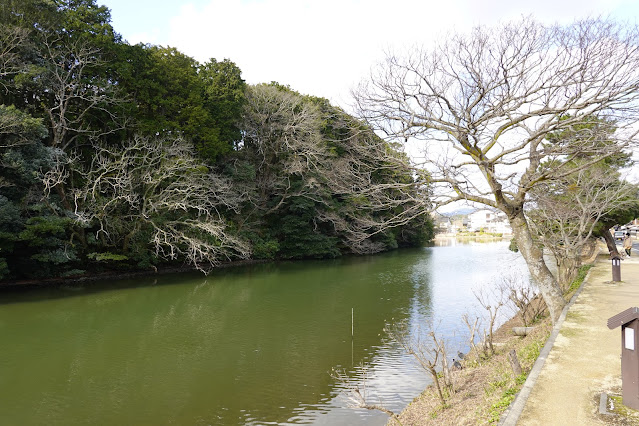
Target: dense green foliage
(571, 211)
(117, 156)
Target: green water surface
(249, 345)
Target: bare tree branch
(485, 103)
(296, 159)
(74, 93)
(159, 185)
(357, 392)
(566, 214)
(11, 39)
(429, 355)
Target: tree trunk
(433, 373)
(533, 255)
(567, 271)
(76, 230)
(591, 247)
(610, 242)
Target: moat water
(245, 345)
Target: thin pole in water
(352, 309)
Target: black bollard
(616, 268)
(629, 322)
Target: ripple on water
(244, 346)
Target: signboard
(629, 338)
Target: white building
(489, 221)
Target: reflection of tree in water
(246, 344)
(422, 283)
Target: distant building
(450, 224)
(489, 221)
(443, 223)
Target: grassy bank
(485, 386)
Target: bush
(265, 249)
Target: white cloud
(492, 11)
(325, 47)
(152, 37)
(321, 48)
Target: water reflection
(242, 346)
(465, 240)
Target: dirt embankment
(484, 387)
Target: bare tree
(473, 330)
(12, 38)
(492, 301)
(374, 204)
(74, 93)
(16, 127)
(567, 212)
(160, 186)
(78, 103)
(283, 133)
(357, 392)
(484, 104)
(295, 158)
(446, 366)
(427, 354)
(524, 297)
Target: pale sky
(324, 47)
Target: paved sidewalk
(585, 359)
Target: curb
(511, 415)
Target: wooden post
(514, 362)
(352, 316)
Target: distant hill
(463, 211)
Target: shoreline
(166, 270)
(493, 380)
(486, 236)
(116, 275)
(481, 389)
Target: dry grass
(484, 390)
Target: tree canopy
(117, 156)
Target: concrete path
(585, 359)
